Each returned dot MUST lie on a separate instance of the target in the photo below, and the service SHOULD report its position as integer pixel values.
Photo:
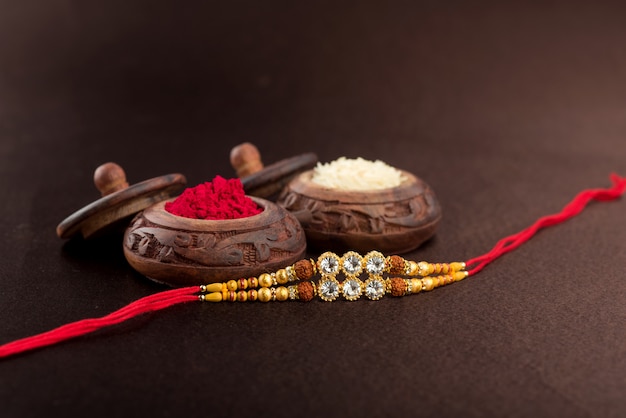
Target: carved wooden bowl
(181, 252)
(394, 220)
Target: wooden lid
(119, 201)
(265, 181)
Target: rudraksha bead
(398, 287)
(305, 291)
(397, 264)
(304, 269)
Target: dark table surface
(507, 110)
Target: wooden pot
(181, 252)
(394, 220)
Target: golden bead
(264, 294)
(282, 293)
(242, 296)
(231, 285)
(416, 285)
(265, 280)
(428, 284)
(424, 268)
(281, 276)
(413, 268)
(242, 284)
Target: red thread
(146, 304)
(220, 199)
(169, 298)
(570, 210)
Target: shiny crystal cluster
(351, 265)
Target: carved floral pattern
(223, 248)
(342, 217)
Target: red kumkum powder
(216, 200)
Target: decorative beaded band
(268, 286)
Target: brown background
(506, 110)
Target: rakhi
(407, 278)
(329, 266)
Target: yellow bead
(213, 297)
(413, 268)
(416, 285)
(242, 296)
(252, 295)
(265, 280)
(281, 276)
(460, 275)
(428, 284)
(437, 281)
(457, 266)
(231, 285)
(264, 294)
(282, 293)
(214, 287)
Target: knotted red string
(570, 210)
(146, 304)
(169, 298)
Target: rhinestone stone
(374, 289)
(375, 264)
(329, 265)
(352, 264)
(293, 292)
(351, 289)
(328, 290)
